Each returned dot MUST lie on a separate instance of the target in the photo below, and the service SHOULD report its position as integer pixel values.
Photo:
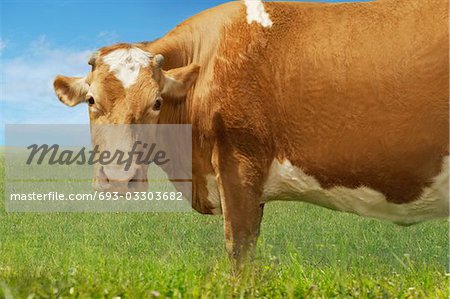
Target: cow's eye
(157, 104)
(91, 101)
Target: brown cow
(340, 105)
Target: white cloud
(27, 84)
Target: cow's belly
(287, 182)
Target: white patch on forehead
(125, 64)
(256, 13)
(286, 181)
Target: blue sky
(40, 39)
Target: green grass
(304, 251)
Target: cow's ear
(71, 90)
(177, 82)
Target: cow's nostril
(118, 174)
(116, 179)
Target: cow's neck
(194, 41)
(176, 51)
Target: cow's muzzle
(116, 179)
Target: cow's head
(127, 85)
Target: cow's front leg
(240, 193)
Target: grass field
(304, 251)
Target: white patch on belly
(256, 13)
(125, 64)
(286, 181)
(213, 194)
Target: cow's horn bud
(159, 60)
(93, 58)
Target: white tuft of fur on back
(256, 13)
(125, 64)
